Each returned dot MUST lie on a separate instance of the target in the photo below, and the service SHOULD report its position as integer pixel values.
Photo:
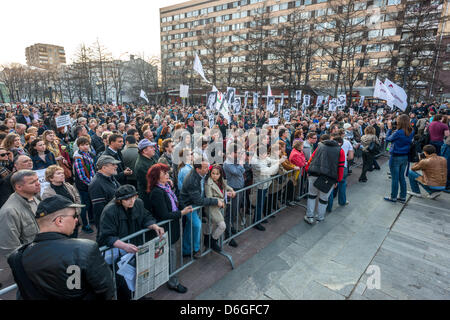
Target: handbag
(324, 183)
(373, 147)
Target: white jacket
(263, 169)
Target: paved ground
(329, 260)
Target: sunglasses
(75, 216)
(3, 154)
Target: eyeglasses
(75, 216)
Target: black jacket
(116, 223)
(120, 177)
(97, 144)
(46, 262)
(141, 167)
(326, 160)
(6, 189)
(191, 192)
(21, 119)
(102, 189)
(158, 203)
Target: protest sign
(62, 121)
(42, 181)
(184, 91)
(273, 121)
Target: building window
(389, 32)
(446, 65)
(393, 2)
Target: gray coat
(18, 225)
(129, 156)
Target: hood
(330, 143)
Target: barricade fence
(250, 206)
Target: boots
(215, 245)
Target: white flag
(269, 91)
(382, 92)
(214, 89)
(199, 68)
(144, 96)
(399, 94)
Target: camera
(394, 125)
(422, 156)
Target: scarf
(171, 194)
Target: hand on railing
(186, 210)
(128, 247)
(220, 203)
(231, 194)
(159, 230)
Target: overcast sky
(121, 25)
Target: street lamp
(401, 64)
(99, 84)
(50, 93)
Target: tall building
(339, 45)
(46, 56)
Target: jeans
(232, 212)
(86, 200)
(342, 192)
(412, 175)
(261, 199)
(398, 165)
(192, 222)
(437, 145)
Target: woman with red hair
(162, 202)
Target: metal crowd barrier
(240, 216)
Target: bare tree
(102, 59)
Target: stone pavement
(329, 260)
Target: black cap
(125, 192)
(53, 204)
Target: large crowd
(121, 169)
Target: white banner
(319, 101)
(332, 105)
(211, 100)
(287, 115)
(306, 101)
(237, 105)
(245, 99)
(341, 101)
(184, 91)
(255, 100)
(271, 104)
(399, 94)
(361, 102)
(298, 96)
(62, 121)
(231, 92)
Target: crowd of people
(120, 169)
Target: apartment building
(46, 56)
(377, 35)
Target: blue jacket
(400, 142)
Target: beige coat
(18, 225)
(434, 169)
(212, 190)
(50, 192)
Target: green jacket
(141, 168)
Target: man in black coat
(192, 194)
(78, 270)
(103, 186)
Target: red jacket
(297, 158)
